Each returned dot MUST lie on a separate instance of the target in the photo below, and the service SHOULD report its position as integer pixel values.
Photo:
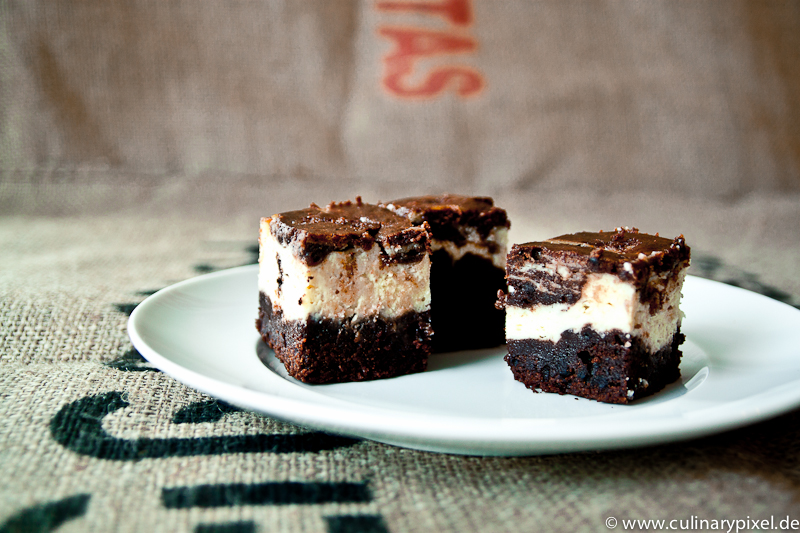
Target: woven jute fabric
(93, 438)
(141, 141)
(699, 97)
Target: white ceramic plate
(741, 364)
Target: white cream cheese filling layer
(477, 246)
(348, 285)
(606, 303)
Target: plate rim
(521, 436)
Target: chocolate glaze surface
(449, 214)
(315, 232)
(626, 253)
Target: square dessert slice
(345, 292)
(596, 314)
(468, 243)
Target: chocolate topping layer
(626, 253)
(448, 214)
(315, 232)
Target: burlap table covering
(93, 439)
(141, 141)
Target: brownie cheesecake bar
(468, 243)
(596, 314)
(344, 292)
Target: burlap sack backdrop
(141, 141)
(699, 97)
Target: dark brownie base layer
(592, 366)
(463, 294)
(333, 351)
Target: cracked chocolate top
(624, 252)
(317, 231)
(450, 215)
